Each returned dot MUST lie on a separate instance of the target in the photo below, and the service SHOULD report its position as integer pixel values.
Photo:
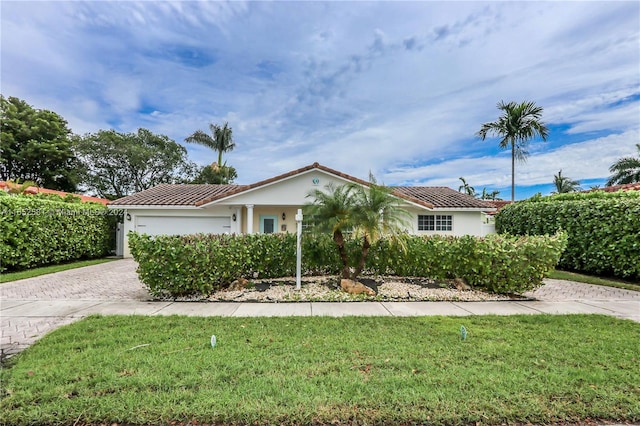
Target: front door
(268, 224)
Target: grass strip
(6, 277)
(590, 279)
(134, 370)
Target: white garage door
(182, 225)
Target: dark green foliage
(35, 145)
(603, 229)
(117, 164)
(36, 231)
(182, 265)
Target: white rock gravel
(316, 289)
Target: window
(435, 222)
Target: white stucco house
(270, 206)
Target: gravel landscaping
(326, 289)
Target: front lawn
(559, 274)
(316, 370)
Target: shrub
(201, 264)
(603, 229)
(36, 232)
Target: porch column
(238, 213)
(249, 218)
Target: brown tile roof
(498, 204)
(442, 197)
(174, 195)
(199, 195)
(37, 190)
(616, 188)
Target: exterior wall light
(128, 216)
(234, 217)
(284, 216)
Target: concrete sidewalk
(33, 307)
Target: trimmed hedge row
(603, 229)
(201, 264)
(36, 231)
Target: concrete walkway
(31, 308)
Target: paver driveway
(32, 307)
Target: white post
(298, 248)
(249, 218)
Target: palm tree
(376, 215)
(518, 124)
(220, 140)
(493, 195)
(625, 170)
(331, 212)
(565, 184)
(466, 188)
(369, 213)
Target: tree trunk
(363, 258)
(339, 240)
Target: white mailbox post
(298, 248)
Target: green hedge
(36, 231)
(202, 264)
(603, 229)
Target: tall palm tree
(466, 188)
(220, 139)
(519, 123)
(625, 170)
(565, 184)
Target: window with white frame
(435, 222)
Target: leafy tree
(118, 164)
(368, 213)
(565, 184)
(519, 123)
(216, 175)
(625, 170)
(220, 139)
(466, 188)
(35, 145)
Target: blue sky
(395, 88)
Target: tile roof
(616, 188)
(442, 197)
(174, 195)
(200, 194)
(37, 190)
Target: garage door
(182, 225)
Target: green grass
(6, 277)
(353, 370)
(590, 279)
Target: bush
(36, 232)
(201, 264)
(603, 229)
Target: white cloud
(358, 86)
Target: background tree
(493, 195)
(518, 124)
(118, 164)
(625, 170)
(368, 213)
(466, 188)
(36, 145)
(564, 184)
(215, 174)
